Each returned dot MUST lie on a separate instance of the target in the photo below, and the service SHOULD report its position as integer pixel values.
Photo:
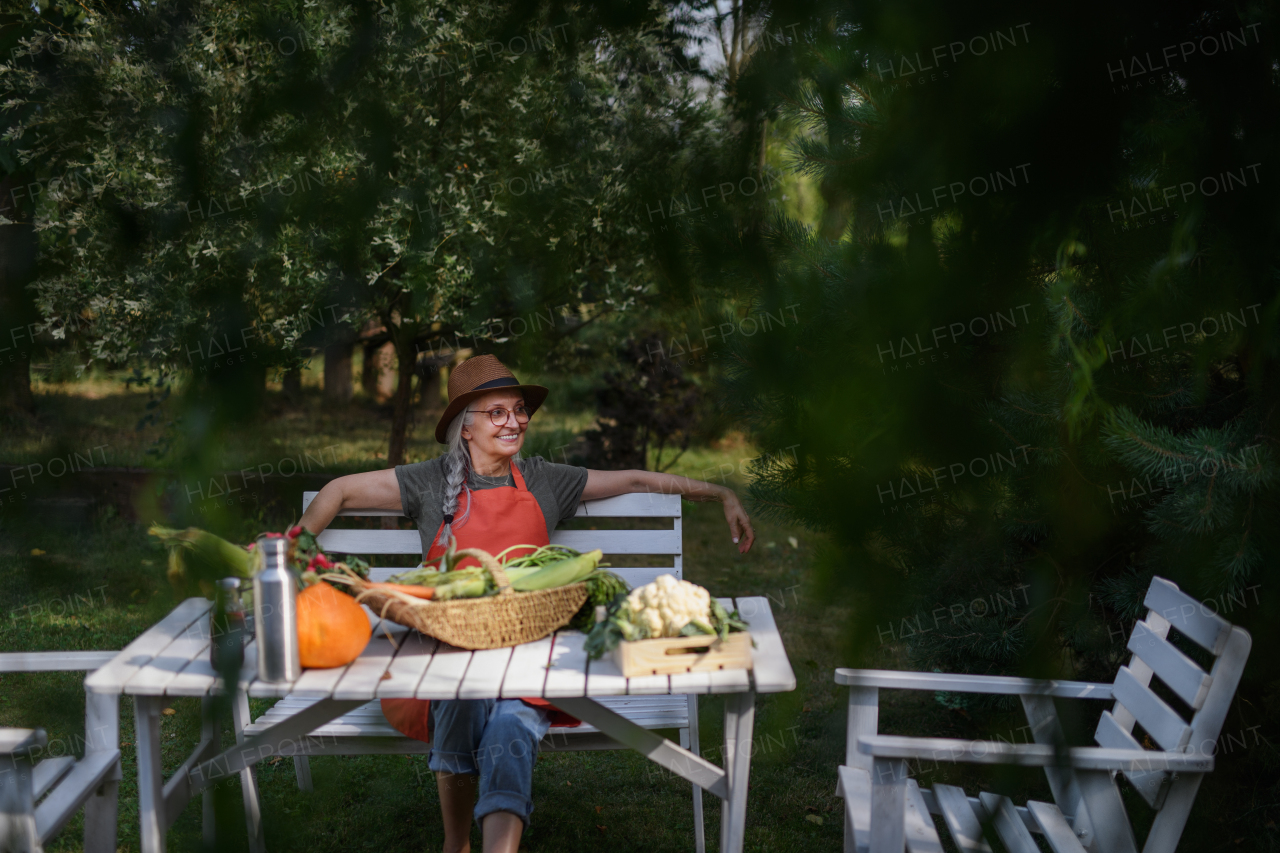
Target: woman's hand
(739, 524)
(605, 484)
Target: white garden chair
(885, 809)
(38, 797)
(365, 731)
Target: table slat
(152, 679)
(319, 683)
(604, 678)
(407, 666)
(729, 681)
(196, 679)
(360, 681)
(445, 673)
(111, 677)
(484, 676)
(648, 685)
(527, 672)
(690, 682)
(567, 673)
(772, 671)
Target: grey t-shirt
(557, 488)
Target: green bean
(543, 556)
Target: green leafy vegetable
(603, 587)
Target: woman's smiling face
(494, 442)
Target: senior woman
(481, 492)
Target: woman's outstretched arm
(370, 490)
(606, 484)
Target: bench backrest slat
(1153, 713)
(409, 542)
(612, 542)
(1183, 675)
(1189, 617)
(637, 505)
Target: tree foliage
(222, 178)
(1036, 340)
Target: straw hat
(476, 377)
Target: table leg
(102, 734)
(739, 721)
(151, 817)
(270, 741)
(249, 779)
(209, 731)
(650, 744)
(695, 746)
(730, 737)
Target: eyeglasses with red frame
(498, 416)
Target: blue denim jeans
(496, 738)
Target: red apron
(499, 518)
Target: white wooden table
(172, 659)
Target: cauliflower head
(665, 606)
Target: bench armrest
(53, 661)
(1032, 754)
(1003, 684)
(22, 742)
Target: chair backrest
(646, 505)
(1207, 694)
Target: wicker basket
(492, 622)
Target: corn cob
(472, 587)
(561, 573)
(197, 555)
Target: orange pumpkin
(332, 629)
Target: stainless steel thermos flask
(275, 613)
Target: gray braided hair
(457, 472)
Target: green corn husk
(560, 573)
(428, 576)
(471, 587)
(196, 556)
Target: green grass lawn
(102, 416)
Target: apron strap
(518, 477)
(465, 494)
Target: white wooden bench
(365, 730)
(38, 797)
(885, 809)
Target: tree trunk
(378, 374)
(292, 385)
(387, 361)
(406, 358)
(17, 266)
(369, 371)
(337, 373)
(429, 388)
